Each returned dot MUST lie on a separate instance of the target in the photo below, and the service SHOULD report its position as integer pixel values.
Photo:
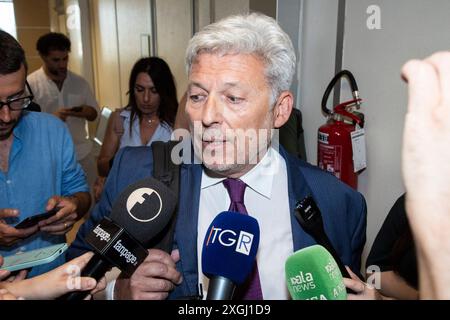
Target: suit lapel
(298, 189)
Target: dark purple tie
(251, 289)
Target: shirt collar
(44, 75)
(20, 130)
(125, 113)
(260, 178)
(67, 79)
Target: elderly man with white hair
(240, 70)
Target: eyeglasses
(19, 103)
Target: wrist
(76, 203)
(433, 273)
(383, 297)
(25, 289)
(121, 289)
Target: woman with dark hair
(149, 115)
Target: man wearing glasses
(38, 167)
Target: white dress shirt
(266, 199)
(75, 92)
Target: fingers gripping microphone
(229, 252)
(312, 274)
(308, 215)
(138, 216)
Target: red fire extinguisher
(335, 148)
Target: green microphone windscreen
(312, 274)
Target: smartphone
(33, 258)
(34, 220)
(76, 109)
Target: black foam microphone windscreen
(144, 208)
(140, 213)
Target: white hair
(255, 34)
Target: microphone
(308, 215)
(138, 217)
(312, 274)
(229, 252)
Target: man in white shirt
(266, 194)
(66, 95)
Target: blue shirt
(42, 163)
(162, 133)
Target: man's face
(11, 86)
(56, 64)
(228, 110)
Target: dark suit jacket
(343, 210)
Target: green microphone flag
(312, 274)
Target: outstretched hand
(426, 169)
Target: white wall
(106, 53)
(316, 56)
(222, 9)
(289, 15)
(172, 38)
(129, 37)
(409, 29)
(78, 27)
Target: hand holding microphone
(153, 279)
(362, 290)
(139, 219)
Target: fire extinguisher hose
(353, 85)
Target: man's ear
(282, 109)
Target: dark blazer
(343, 210)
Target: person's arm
(84, 111)
(3, 273)
(57, 282)
(87, 108)
(75, 198)
(362, 290)
(426, 169)
(394, 286)
(110, 145)
(6, 295)
(152, 280)
(101, 209)
(9, 235)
